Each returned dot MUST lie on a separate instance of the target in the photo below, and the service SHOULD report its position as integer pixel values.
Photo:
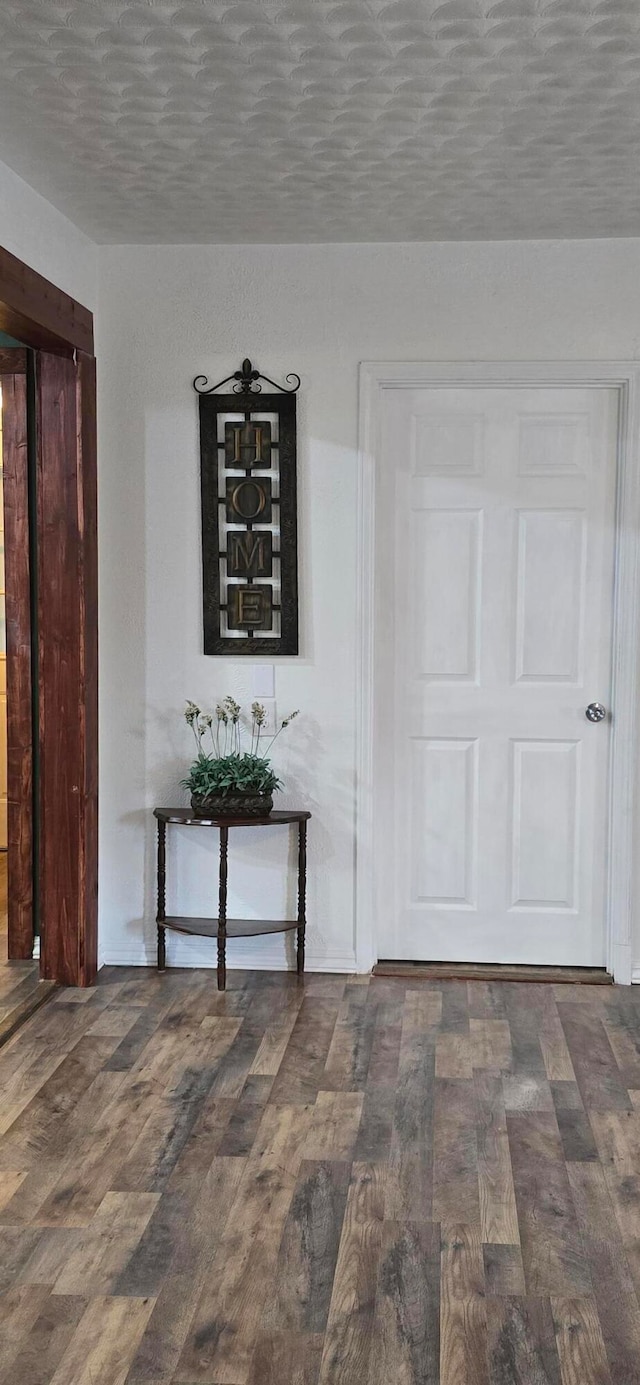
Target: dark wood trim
(19, 683)
(88, 693)
(67, 621)
(36, 312)
(13, 360)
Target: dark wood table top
(234, 928)
(187, 818)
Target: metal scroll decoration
(249, 514)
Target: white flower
(191, 713)
(258, 713)
(233, 708)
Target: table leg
(222, 910)
(302, 893)
(162, 885)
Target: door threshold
(493, 971)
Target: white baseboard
(242, 955)
(635, 974)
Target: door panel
(494, 597)
(549, 595)
(544, 820)
(443, 813)
(445, 554)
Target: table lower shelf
(236, 928)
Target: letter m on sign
(249, 554)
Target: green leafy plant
(228, 767)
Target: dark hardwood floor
(361, 1182)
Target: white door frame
(377, 376)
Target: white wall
(45, 239)
(168, 313)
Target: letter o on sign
(249, 501)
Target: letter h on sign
(247, 444)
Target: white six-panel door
(495, 538)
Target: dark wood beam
(38, 313)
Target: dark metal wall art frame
(249, 519)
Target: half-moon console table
(221, 927)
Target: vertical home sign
(249, 514)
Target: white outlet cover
(264, 681)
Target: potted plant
(228, 780)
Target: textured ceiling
(255, 120)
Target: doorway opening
(20, 989)
(50, 513)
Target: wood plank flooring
(356, 1181)
(21, 990)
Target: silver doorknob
(595, 711)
